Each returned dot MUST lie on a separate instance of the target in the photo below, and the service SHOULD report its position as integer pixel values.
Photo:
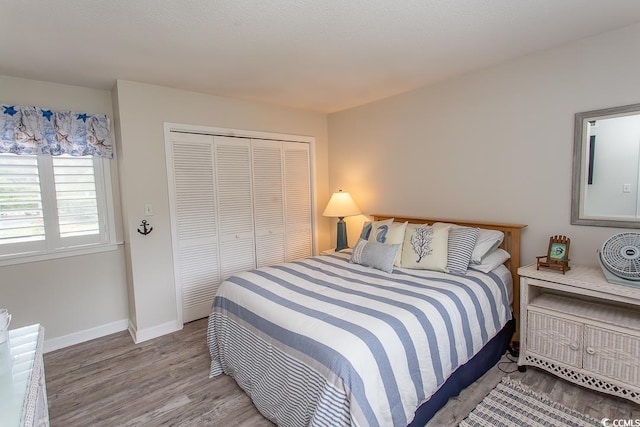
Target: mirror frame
(577, 166)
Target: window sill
(60, 253)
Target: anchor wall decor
(145, 230)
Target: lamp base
(341, 241)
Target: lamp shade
(340, 205)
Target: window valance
(33, 130)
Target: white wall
(492, 145)
(141, 112)
(68, 296)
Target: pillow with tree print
(425, 247)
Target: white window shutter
(53, 204)
(76, 196)
(297, 201)
(268, 202)
(196, 227)
(21, 208)
(235, 204)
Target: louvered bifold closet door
(268, 202)
(235, 204)
(196, 228)
(297, 191)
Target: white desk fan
(620, 259)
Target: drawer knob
(590, 351)
(574, 346)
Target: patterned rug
(511, 403)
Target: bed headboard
(510, 244)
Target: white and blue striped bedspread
(325, 342)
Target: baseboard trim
(140, 335)
(86, 335)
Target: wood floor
(113, 382)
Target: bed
(328, 342)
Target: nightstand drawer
(612, 354)
(555, 338)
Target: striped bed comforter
(329, 343)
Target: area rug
(511, 403)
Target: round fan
(620, 255)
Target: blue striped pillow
(461, 242)
(373, 254)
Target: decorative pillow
(376, 255)
(492, 260)
(380, 230)
(368, 226)
(425, 247)
(366, 230)
(488, 240)
(461, 242)
(389, 234)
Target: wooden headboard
(510, 244)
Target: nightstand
(581, 328)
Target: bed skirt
(466, 374)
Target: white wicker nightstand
(582, 328)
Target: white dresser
(23, 394)
(582, 328)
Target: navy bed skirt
(466, 374)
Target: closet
(236, 204)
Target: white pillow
(491, 261)
(389, 234)
(425, 247)
(488, 240)
(376, 255)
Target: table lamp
(340, 205)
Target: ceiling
(319, 55)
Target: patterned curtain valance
(33, 130)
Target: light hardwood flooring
(111, 381)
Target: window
(51, 205)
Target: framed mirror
(606, 168)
